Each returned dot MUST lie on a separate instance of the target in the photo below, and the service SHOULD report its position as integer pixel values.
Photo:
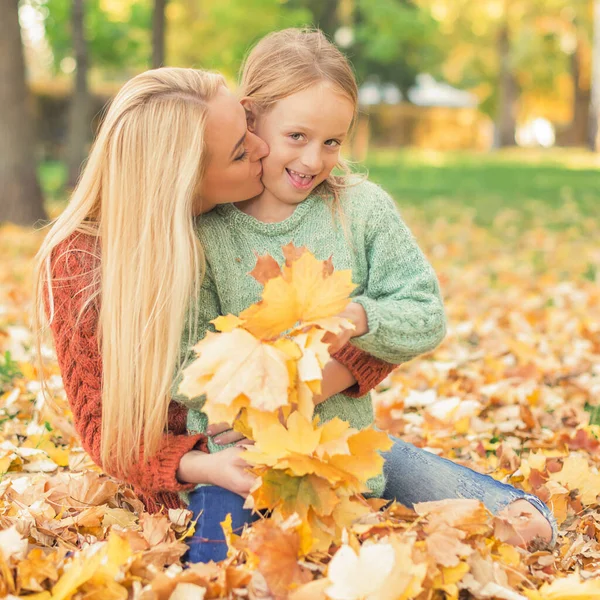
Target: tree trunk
(79, 113)
(507, 92)
(578, 129)
(20, 195)
(158, 34)
(594, 127)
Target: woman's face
(233, 169)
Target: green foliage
(9, 371)
(118, 40)
(542, 36)
(393, 39)
(53, 178)
(217, 35)
(394, 42)
(594, 411)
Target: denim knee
(210, 505)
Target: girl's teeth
(298, 178)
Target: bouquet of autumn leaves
(259, 373)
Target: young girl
(301, 98)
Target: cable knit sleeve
(366, 369)
(80, 363)
(402, 297)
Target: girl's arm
(402, 300)
(80, 364)
(353, 372)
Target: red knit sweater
(80, 363)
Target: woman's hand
(227, 469)
(356, 314)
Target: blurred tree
(394, 42)
(117, 34)
(79, 131)
(508, 87)
(217, 34)
(581, 81)
(524, 58)
(158, 34)
(478, 38)
(594, 128)
(389, 41)
(324, 15)
(20, 194)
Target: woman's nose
(259, 148)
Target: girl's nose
(311, 159)
(258, 147)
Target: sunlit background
(459, 98)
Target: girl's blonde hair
(135, 200)
(289, 61)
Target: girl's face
(304, 133)
(233, 168)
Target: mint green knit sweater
(395, 284)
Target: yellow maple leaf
(227, 323)
(36, 568)
(350, 460)
(288, 494)
(576, 474)
(101, 567)
(42, 442)
(236, 363)
(406, 578)
(305, 292)
(274, 441)
(363, 462)
(277, 548)
(571, 587)
(360, 576)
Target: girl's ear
(251, 112)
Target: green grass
(558, 182)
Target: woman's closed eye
(242, 156)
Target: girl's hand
(227, 469)
(222, 434)
(356, 314)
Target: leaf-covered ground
(506, 394)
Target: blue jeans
(413, 475)
(416, 475)
(211, 505)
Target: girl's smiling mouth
(300, 181)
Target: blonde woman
(119, 276)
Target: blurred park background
(477, 104)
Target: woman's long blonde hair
(135, 199)
(289, 61)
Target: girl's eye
(296, 136)
(333, 143)
(242, 156)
